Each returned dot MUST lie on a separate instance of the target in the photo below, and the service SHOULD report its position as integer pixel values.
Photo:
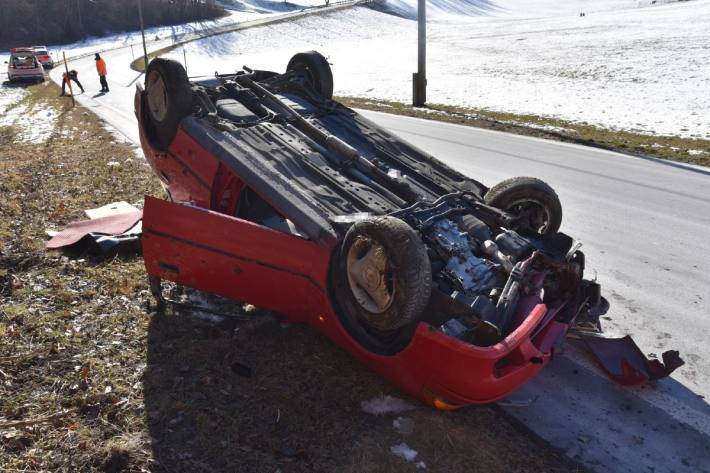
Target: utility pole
(145, 50)
(419, 77)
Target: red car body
(43, 56)
(190, 241)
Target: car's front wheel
(382, 279)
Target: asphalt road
(644, 224)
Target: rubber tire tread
(179, 96)
(510, 190)
(318, 65)
(411, 270)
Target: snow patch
(33, 124)
(9, 97)
(382, 405)
(404, 452)
(36, 126)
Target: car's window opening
(253, 208)
(24, 62)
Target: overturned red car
(285, 199)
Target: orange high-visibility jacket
(101, 67)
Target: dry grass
(686, 150)
(136, 391)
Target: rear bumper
(448, 373)
(20, 76)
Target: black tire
(531, 199)
(168, 99)
(316, 71)
(406, 278)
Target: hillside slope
(627, 66)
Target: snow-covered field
(627, 64)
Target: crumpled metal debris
(626, 364)
(106, 232)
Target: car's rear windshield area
(42, 53)
(23, 61)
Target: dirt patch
(99, 382)
(685, 150)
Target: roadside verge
(684, 150)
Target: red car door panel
(231, 257)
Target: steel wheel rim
(536, 215)
(370, 275)
(307, 74)
(157, 96)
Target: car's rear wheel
(382, 279)
(314, 69)
(533, 201)
(168, 99)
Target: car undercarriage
(455, 291)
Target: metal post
(419, 77)
(145, 50)
(66, 68)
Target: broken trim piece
(626, 364)
(111, 225)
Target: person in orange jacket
(101, 69)
(74, 76)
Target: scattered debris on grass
(104, 232)
(404, 451)
(382, 405)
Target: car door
(232, 257)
